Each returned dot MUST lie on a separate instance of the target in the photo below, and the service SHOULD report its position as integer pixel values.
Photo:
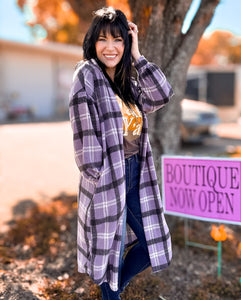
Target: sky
(12, 20)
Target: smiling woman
(113, 35)
(119, 201)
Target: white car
(199, 120)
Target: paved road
(211, 147)
(36, 162)
(229, 136)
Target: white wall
(65, 68)
(237, 90)
(29, 79)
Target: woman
(119, 201)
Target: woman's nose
(110, 45)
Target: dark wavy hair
(113, 21)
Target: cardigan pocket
(87, 189)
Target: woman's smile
(109, 56)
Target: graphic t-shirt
(132, 127)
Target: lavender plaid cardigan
(97, 126)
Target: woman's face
(109, 51)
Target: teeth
(110, 56)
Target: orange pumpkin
(218, 233)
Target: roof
(49, 47)
(215, 68)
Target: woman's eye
(118, 40)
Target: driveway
(37, 162)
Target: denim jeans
(137, 258)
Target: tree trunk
(162, 41)
(84, 9)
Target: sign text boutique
(202, 188)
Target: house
(218, 85)
(35, 79)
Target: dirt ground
(41, 266)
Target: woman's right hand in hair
(134, 48)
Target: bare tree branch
(188, 42)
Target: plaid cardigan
(97, 126)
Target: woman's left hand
(135, 48)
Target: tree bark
(84, 9)
(162, 41)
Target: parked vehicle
(19, 112)
(199, 120)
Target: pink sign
(202, 188)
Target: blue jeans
(137, 258)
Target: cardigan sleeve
(155, 89)
(86, 132)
